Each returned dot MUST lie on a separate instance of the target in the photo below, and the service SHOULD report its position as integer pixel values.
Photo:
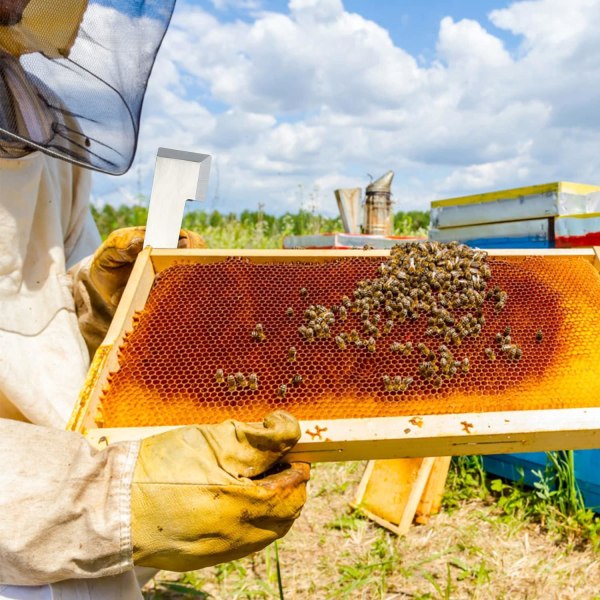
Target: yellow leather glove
(99, 281)
(203, 495)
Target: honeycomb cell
(199, 319)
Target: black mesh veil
(73, 75)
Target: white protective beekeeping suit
(82, 528)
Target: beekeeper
(74, 521)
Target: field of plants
(250, 229)
(493, 539)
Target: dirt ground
(473, 552)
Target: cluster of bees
(508, 349)
(237, 381)
(319, 321)
(428, 280)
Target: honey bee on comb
(231, 383)
(253, 381)
(241, 380)
(258, 333)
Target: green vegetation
(554, 501)
(250, 229)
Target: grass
(554, 501)
(473, 546)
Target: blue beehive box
(521, 466)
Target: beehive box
(532, 233)
(345, 241)
(577, 230)
(188, 313)
(516, 204)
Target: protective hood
(73, 74)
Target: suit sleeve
(64, 506)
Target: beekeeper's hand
(99, 281)
(113, 261)
(203, 495)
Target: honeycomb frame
(355, 438)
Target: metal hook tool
(178, 177)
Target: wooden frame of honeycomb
(410, 434)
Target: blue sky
(294, 99)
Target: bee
(371, 344)
(253, 381)
(310, 314)
(431, 331)
(499, 338)
(426, 370)
(387, 383)
(407, 348)
(292, 354)
(342, 313)
(258, 333)
(408, 381)
(507, 339)
(490, 354)
(354, 337)
(231, 383)
(367, 247)
(339, 340)
(518, 353)
(310, 334)
(346, 302)
(396, 347)
(539, 335)
(282, 390)
(289, 312)
(219, 376)
(297, 379)
(241, 380)
(437, 382)
(465, 364)
(401, 384)
(507, 331)
(303, 292)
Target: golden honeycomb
(201, 319)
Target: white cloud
(317, 95)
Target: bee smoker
(378, 206)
